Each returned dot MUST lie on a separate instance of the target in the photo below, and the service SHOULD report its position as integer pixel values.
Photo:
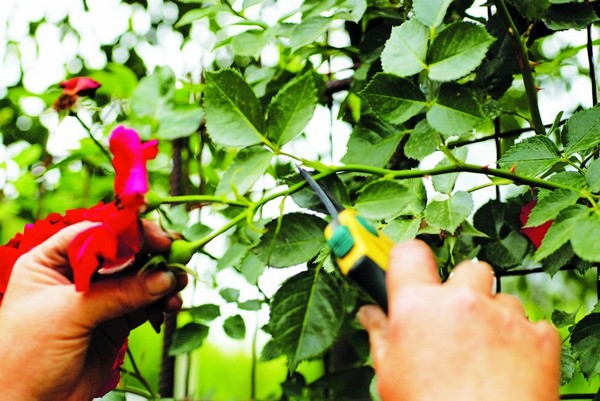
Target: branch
(524, 66)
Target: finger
(109, 299)
(156, 240)
(374, 320)
(511, 303)
(477, 275)
(52, 253)
(411, 263)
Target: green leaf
(250, 43)
(431, 12)
(308, 31)
(251, 305)
(392, 98)
(178, 122)
(458, 50)
(583, 131)
(531, 157)
(592, 176)
(568, 365)
(450, 213)
(306, 316)
(153, 92)
(188, 338)
(299, 239)
(235, 327)
(405, 51)
(561, 231)
(206, 312)
(291, 109)
(444, 183)
(585, 342)
(351, 10)
(570, 16)
(563, 319)
(385, 199)
(199, 13)
(400, 230)
(252, 268)
(249, 165)
(507, 252)
(196, 231)
(532, 9)
(230, 294)
(550, 206)
(455, 111)
(584, 238)
(422, 142)
(233, 255)
(332, 184)
(233, 113)
(29, 155)
(372, 142)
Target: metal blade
(332, 208)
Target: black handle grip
(371, 278)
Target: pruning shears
(360, 250)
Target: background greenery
(434, 119)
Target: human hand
(66, 341)
(457, 341)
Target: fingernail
(160, 282)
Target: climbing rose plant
(418, 86)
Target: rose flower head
(535, 234)
(73, 89)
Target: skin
(65, 342)
(457, 341)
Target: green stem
(232, 223)
(89, 132)
(525, 67)
(138, 375)
(202, 199)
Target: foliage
(417, 85)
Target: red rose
(130, 157)
(115, 375)
(535, 234)
(73, 89)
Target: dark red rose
(535, 234)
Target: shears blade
(331, 205)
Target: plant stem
(524, 66)
(202, 199)
(89, 132)
(138, 375)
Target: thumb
(114, 297)
(374, 320)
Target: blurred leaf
(531, 157)
(431, 12)
(507, 252)
(251, 305)
(199, 13)
(457, 50)
(153, 92)
(400, 230)
(296, 240)
(206, 312)
(178, 121)
(29, 155)
(233, 255)
(568, 365)
(385, 199)
(563, 319)
(188, 338)
(405, 51)
(570, 16)
(252, 267)
(230, 294)
(592, 176)
(233, 113)
(532, 9)
(196, 231)
(306, 316)
(235, 327)
(308, 31)
(291, 109)
(450, 213)
(393, 99)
